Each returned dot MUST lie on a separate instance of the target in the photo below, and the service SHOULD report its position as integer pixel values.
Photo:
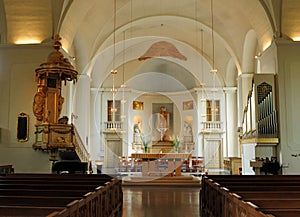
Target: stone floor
(160, 201)
(154, 201)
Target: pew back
(59, 195)
(250, 196)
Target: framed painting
(188, 105)
(137, 105)
(22, 127)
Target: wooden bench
(284, 212)
(60, 195)
(250, 196)
(28, 210)
(6, 169)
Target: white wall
(289, 105)
(17, 88)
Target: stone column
(231, 122)
(199, 145)
(82, 109)
(95, 127)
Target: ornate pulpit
(53, 133)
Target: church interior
(161, 89)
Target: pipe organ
(260, 114)
(267, 115)
(260, 137)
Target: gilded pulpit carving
(53, 133)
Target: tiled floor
(154, 201)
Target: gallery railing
(112, 126)
(212, 126)
(80, 148)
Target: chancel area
(160, 93)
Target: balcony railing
(212, 126)
(80, 148)
(112, 126)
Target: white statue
(188, 132)
(137, 132)
(137, 128)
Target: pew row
(257, 196)
(60, 195)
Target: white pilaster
(231, 122)
(95, 110)
(82, 109)
(201, 105)
(244, 86)
(248, 155)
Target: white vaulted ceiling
(87, 31)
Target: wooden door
(213, 153)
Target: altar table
(153, 164)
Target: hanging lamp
(123, 85)
(113, 73)
(214, 71)
(202, 84)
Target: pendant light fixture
(214, 71)
(202, 83)
(203, 99)
(123, 86)
(114, 72)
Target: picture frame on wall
(137, 105)
(188, 105)
(22, 127)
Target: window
(212, 110)
(117, 111)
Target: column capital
(246, 75)
(230, 90)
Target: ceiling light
(27, 41)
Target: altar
(161, 164)
(161, 147)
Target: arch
(3, 23)
(249, 51)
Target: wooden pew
(47, 176)
(52, 201)
(56, 195)
(284, 212)
(269, 194)
(278, 203)
(32, 211)
(225, 178)
(46, 192)
(6, 169)
(239, 195)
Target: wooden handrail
(80, 149)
